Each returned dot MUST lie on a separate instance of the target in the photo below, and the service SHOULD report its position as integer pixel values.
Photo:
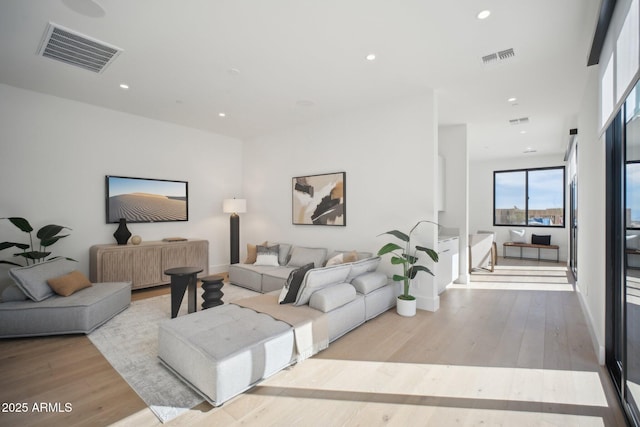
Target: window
(529, 197)
(633, 195)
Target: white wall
(592, 214)
(452, 145)
(481, 201)
(610, 96)
(389, 156)
(55, 154)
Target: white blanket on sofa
(311, 330)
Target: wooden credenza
(143, 265)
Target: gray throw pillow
(283, 253)
(32, 280)
(302, 256)
(13, 293)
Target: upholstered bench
(225, 350)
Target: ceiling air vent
(498, 56)
(520, 121)
(73, 48)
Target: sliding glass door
(623, 249)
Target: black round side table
(212, 295)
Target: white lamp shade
(234, 205)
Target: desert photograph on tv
(145, 200)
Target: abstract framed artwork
(319, 199)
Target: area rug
(129, 342)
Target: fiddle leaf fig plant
(47, 236)
(407, 256)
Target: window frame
(526, 195)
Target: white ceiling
(179, 59)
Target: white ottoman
(222, 351)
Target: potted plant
(407, 256)
(48, 235)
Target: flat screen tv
(146, 200)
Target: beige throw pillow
(69, 283)
(252, 252)
(351, 256)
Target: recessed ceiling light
(371, 57)
(124, 86)
(222, 114)
(484, 14)
(523, 132)
(512, 99)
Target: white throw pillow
(267, 255)
(518, 236)
(267, 259)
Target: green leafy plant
(407, 257)
(47, 235)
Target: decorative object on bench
(407, 257)
(47, 312)
(48, 235)
(234, 207)
(319, 199)
(537, 239)
(212, 295)
(183, 279)
(518, 236)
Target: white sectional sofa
(268, 278)
(223, 351)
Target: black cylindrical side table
(212, 296)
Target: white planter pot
(406, 308)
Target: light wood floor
(512, 348)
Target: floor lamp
(234, 207)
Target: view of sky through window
(532, 197)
